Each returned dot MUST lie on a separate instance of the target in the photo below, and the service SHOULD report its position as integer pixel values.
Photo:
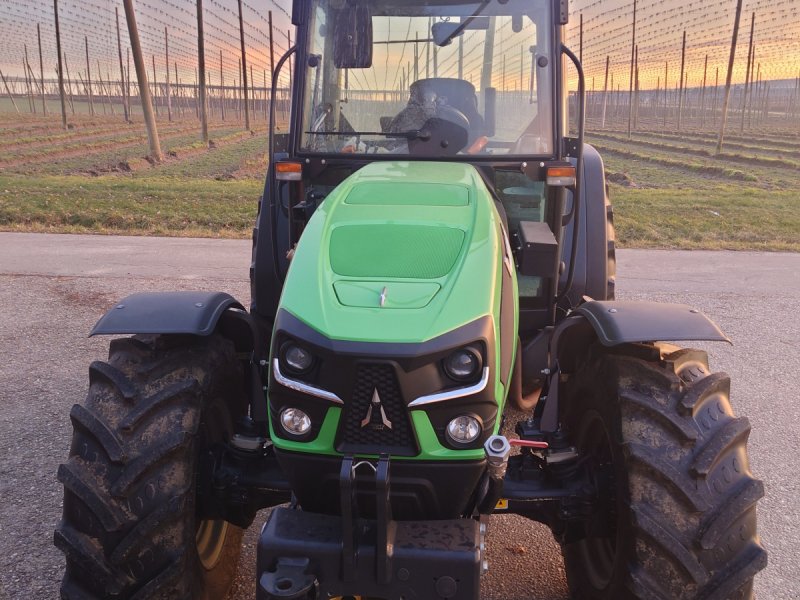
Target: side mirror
(352, 31)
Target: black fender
(613, 323)
(618, 322)
(195, 313)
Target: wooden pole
(488, 56)
(30, 81)
(291, 68)
(271, 51)
(201, 64)
(221, 87)
(179, 89)
(60, 68)
(128, 83)
(252, 92)
(731, 59)
(144, 88)
(41, 69)
(8, 91)
(747, 70)
(605, 94)
(244, 70)
(636, 92)
(666, 92)
(428, 49)
(633, 57)
(460, 59)
(168, 89)
(703, 95)
(103, 90)
(682, 87)
(155, 86)
(752, 90)
(89, 77)
(69, 85)
(28, 87)
(121, 71)
(716, 94)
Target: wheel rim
(211, 533)
(599, 553)
(210, 538)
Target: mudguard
(618, 322)
(614, 323)
(194, 313)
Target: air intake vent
(375, 418)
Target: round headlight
(463, 430)
(295, 421)
(462, 364)
(296, 358)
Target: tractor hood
(399, 252)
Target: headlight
(297, 359)
(462, 364)
(295, 421)
(463, 430)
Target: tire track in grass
(713, 170)
(702, 144)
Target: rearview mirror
(352, 31)
(443, 32)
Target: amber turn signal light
(561, 176)
(288, 171)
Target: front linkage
(308, 555)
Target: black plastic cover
(624, 322)
(429, 559)
(193, 313)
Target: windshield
(431, 78)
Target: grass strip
(123, 205)
(731, 218)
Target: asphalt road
(53, 288)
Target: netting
(601, 31)
(168, 32)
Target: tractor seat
(426, 95)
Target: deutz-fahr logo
(375, 409)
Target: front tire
(676, 512)
(130, 529)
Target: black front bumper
(300, 554)
(307, 555)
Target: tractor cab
(476, 83)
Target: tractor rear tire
(130, 528)
(676, 516)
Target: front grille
(376, 427)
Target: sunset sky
(607, 32)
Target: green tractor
(432, 338)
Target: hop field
(669, 190)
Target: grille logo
(376, 408)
